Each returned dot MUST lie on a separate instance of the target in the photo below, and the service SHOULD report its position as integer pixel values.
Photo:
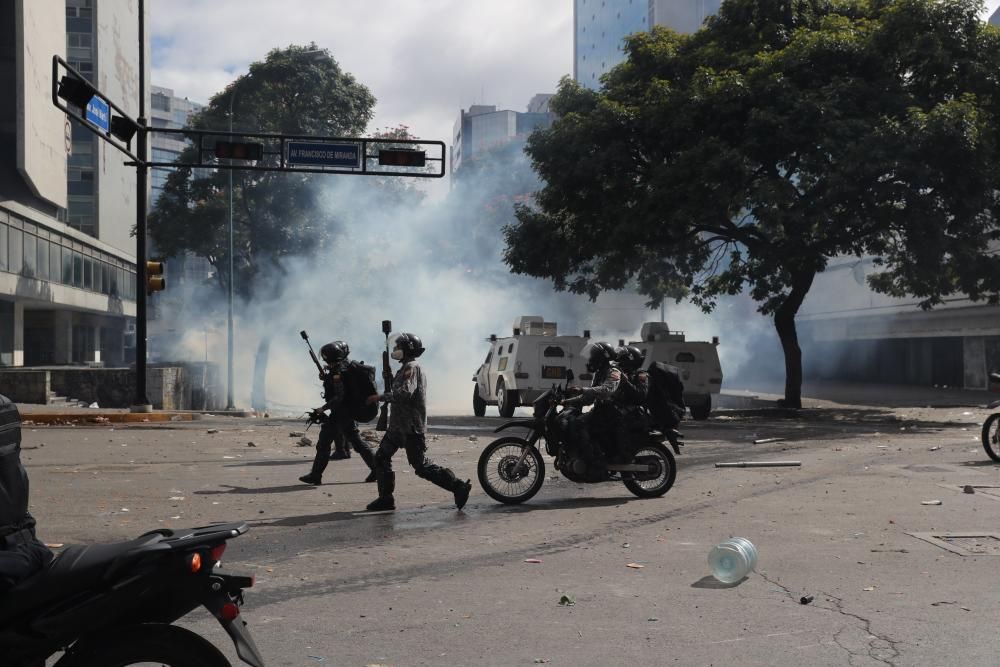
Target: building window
(160, 102)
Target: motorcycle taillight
(217, 552)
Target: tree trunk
(258, 395)
(784, 323)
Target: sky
(424, 60)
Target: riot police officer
(600, 425)
(631, 397)
(406, 429)
(339, 427)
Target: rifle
(383, 415)
(312, 354)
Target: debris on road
(934, 448)
(868, 588)
(635, 566)
(759, 464)
(968, 488)
(473, 438)
(299, 434)
(806, 599)
(764, 441)
(305, 442)
(250, 444)
(652, 619)
(532, 560)
(930, 502)
(567, 600)
(212, 430)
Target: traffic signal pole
(141, 402)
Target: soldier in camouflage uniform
(407, 426)
(599, 425)
(340, 427)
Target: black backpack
(665, 400)
(359, 383)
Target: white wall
(42, 142)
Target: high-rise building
(484, 127)
(600, 28)
(67, 200)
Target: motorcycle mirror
(304, 335)
(387, 327)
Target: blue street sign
(99, 113)
(324, 154)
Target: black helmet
(629, 358)
(599, 355)
(410, 344)
(334, 352)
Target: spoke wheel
(502, 478)
(991, 436)
(659, 480)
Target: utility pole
(230, 405)
(141, 401)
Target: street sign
(324, 154)
(99, 114)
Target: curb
(98, 417)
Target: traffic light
(75, 91)
(154, 277)
(402, 157)
(239, 150)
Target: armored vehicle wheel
(658, 482)
(506, 400)
(478, 404)
(701, 411)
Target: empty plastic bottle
(732, 560)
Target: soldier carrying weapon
(339, 427)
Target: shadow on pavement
(305, 519)
(257, 490)
(709, 581)
(558, 504)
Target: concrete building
(483, 128)
(600, 27)
(67, 201)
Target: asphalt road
(428, 585)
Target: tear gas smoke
(434, 270)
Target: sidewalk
(855, 394)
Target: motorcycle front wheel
(991, 436)
(657, 482)
(501, 477)
(156, 643)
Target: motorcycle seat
(77, 569)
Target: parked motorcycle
(511, 469)
(991, 427)
(111, 605)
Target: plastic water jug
(732, 560)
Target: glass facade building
(82, 210)
(600, 28)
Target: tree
(296, 90)
(780, 135)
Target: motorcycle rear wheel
(665, 475)
(497, 475)
(151, 643)
(991, 436)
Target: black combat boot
(462, 493)
(315, 480)
(386, 486)
(372, 477)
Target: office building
(484, 127)
(67, 201)
(601, 26)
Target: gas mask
(397, 354)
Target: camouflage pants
(416, 453)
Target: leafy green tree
(276, 216)
(746, 155)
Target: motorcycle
(511, 469)
(991, 427)
(111, 605)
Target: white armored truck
(698, 363)
(520, 367)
